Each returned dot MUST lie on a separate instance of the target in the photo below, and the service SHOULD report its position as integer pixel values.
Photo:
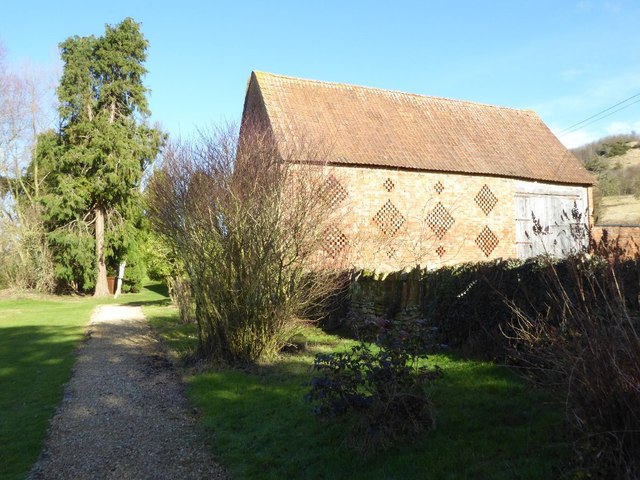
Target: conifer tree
(95, 161)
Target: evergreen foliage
(95, 161)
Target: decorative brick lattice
(440, 220)
(335, 242)
(388, 185)
(333, 191)
(486, 200)
(391, 252)
(440, 251)
(487, 241)
(438, 187)
(389, 219)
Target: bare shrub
(247, 221)
(585, 343)
(180, 293)
(26, 262)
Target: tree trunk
(102, 289)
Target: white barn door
(550, 219)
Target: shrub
(26, 261)
(246, 220)
(608, 146)
(584, 342)
(385, 385)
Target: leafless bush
(248, 221)
(25, 259)
(585, 343)
(180, 293)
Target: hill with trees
(615, 160)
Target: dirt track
(124, 415)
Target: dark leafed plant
(386, 385)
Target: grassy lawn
(37, 339)
(491, 425)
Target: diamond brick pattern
(333, 191)
(486, 200)
(487, 241)
(388, 185)
(335, 242)
(440, 251)
(389, 219)
(440, 220)
(438, 187)
(391, 252)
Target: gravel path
(124, 415)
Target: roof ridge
(259, 73)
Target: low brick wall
(624, 237)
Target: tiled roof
(369, 126)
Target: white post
(119, 279)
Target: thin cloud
(577, 138)
(584, 136)
(613, 7)
(593, 98)
(571, 73)
(622, 127)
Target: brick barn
(426, 180)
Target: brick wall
(392, 219)
(625, 237)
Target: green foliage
(611, 178)
(463, 307)
(614, 149)
(95, 162)
(607, 147)
(125, 242)
(159, 258)
(597, 165)
(74, 258)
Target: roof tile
(368, 126)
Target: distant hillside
(616, 162)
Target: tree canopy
(93, 164)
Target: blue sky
(567, 60)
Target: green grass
(37, 338)
(491, 425)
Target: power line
(571, 128)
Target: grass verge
(37, 338)
(38, 335)
(491, 425)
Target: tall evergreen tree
(96, 160)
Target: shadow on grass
(490, 425)
(35, 362)
(152, 294)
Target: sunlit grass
(490, 424)
(37, 338)
(38, 335)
